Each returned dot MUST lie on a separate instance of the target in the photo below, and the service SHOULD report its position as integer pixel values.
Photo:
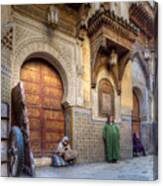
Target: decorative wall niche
(106, 98)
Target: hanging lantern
(53, 16)
(113, 57)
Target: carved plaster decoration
(7, 38)
(82, 32)
(82, 26)
(22, 33)
(80, 70)
(145, 68)
(84, 11)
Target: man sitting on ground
(137, 145)
(64, 150)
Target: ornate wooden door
(43, 93)
(136, 115)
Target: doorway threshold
(43, 161)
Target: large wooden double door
(43, 92)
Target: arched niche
(139, 83)
(106, 98)
(103, 74)
(102, 61)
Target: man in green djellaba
(111, 137)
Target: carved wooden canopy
(107, 31)
(142, 14)
(113, 27)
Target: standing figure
(111, 139)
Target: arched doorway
(136, 114)
(43, 92)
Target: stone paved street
(139, 168)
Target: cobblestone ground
(139, 168)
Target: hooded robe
(111, 137)
(65, 151)
(137, 145)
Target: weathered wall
(126, 113)
(86, 72)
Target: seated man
(137, 145)
(64, 150)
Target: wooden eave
(107, 20)
(142, 15)
(67, 17)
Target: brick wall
(87, 136)
(88, 139)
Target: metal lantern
(53, 16)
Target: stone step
(44, 161)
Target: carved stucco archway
(101, 60)
(141, 82)
(51, 60)
(40, 48)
